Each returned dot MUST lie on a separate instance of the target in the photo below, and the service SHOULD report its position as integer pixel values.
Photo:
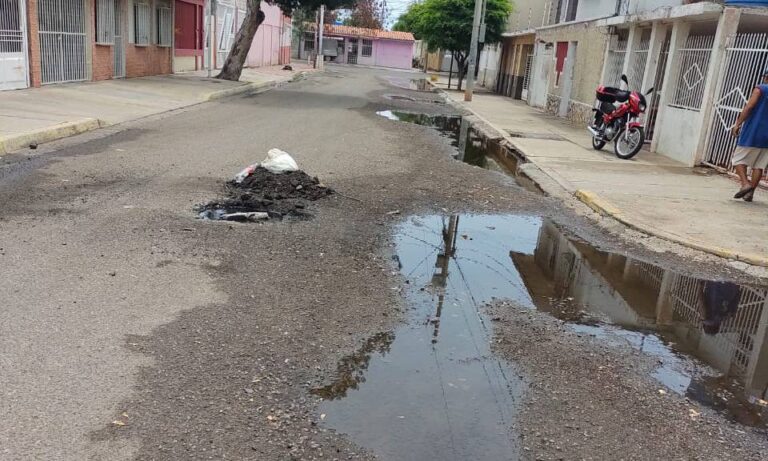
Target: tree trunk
(462, 68)
(233, 66)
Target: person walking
(752, 148)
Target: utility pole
(320, 57)
(470, 85)
(211, 24)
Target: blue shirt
(754, 133)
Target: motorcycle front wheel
(627, 145)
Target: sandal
(744, 192)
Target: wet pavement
(433, 390)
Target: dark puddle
(472, 147)
(433, 389)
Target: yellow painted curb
(596, 203)
(48, 134)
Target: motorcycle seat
(610, 94)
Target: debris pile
(257, 194)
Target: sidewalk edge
(48, 134)
(605, 208)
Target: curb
(47, 134)
(246, 88)
(64, 130)
(605, 208)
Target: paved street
(130, 329)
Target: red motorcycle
(619, 124)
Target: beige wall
(528, 14)
(588, 67)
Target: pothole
(265, 195)
(436, 390)
(472, 146)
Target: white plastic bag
(278, 161)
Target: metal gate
(658, 82)
(13, 45)
(352, 55)
(614, 63)
(62, 40)
(527, 77)
(746, 57)
(119, 46)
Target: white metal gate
(527, 77)
(614, 64)
(658, 82)
(638, 60)
(13, 45)
(119, 45)
(745, 58)
(62, 40)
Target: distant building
(358, 45)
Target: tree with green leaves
(447, 25)
(233, 66)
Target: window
(226, 34)
(570, 14)
(309, 41)
(367, 48)
(105, 22)
(561, 54)
(164, 26)
(141, 23)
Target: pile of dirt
(278, 194)
(293, 184)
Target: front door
(119, 47)
(13, 45)
(63, 41)
(352, 51)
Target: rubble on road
(263, 194)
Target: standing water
(437, 391)
(433, 389)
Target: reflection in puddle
(437, 392)
(654, 310)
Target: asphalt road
(131, 330)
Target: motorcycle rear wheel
(624, 148)
(598, 143)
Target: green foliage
(447, 24)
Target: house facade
(359, 45)
(702, 58)
(59, 41)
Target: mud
(279, 195)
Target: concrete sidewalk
(38, 115)
(651, 193)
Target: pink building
(272, 44)
(371, 47)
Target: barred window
(142, 22)
(309, 41)
(367, 48)
(105, 22)
(164, 26)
